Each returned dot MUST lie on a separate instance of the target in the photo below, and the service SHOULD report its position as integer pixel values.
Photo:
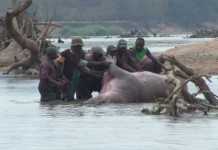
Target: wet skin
(120, 86)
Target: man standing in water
(74, 65)
(71, 71)
(51, 83)
(141, 54)
(92, 83)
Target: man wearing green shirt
(140, 52)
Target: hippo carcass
(120, 86)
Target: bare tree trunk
(23, 41)
(199, 81)
(180, 99)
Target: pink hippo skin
(120, 86)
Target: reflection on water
(27, 124)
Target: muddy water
(28, 125)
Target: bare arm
(134, 63)
(90, 72)
(45, 75)
(123, 62)
(102, 64)
(83, 67)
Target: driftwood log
(4, 39)
(25, 36)
(179, 99)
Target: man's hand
(63, 84)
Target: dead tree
(25, 40)
(179, 99)
(4, 39)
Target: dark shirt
(97, 65)
(127, 61)
(48, 74)
(71, 63)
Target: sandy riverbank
(202, 57)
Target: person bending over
(92, 83)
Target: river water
(28, 125)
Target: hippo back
(124, 87)
(153, 85)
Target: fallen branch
(180, 100)
(198, 80)
(32, 44)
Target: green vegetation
(185, 13)
(91, 30)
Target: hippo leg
(108, 97)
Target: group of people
(76, 74)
